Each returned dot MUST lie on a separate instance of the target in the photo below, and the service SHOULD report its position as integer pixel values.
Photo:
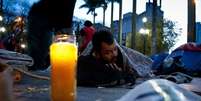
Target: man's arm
(91, 72)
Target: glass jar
(63, 58)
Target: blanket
(131, 58)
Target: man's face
(108, 52)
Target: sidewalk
(31, 89)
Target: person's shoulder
(86, 62)
(85, 58)
(82, 31)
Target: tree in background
(92, 5)
(154, 28)
(120, 22)
(171, 32)
(112, 11)
(104, 5)
(134, 16)
(14, 7)
(166, 39)
(14, 19)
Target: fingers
(114, 66)
(117, 67)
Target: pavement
(32, 89)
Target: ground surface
(31, 89)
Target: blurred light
(144, 31)
(18, 19)
(195, 1)
(1, 18)
(160, 90)
(2, 29)
(147, 31)
(144, 19)
(23, 45)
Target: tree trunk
(1, 5)
(154, 32)
(120, 23)
(104, 9)
(111, 25)
(191, 21)
(94, 16)
(133, 41)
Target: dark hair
(102, 36)
(88, 23)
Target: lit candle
(63, 57)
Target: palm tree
(92, 5)
(1, 7)
(120, 23)
(112, 10)
(120, 18)
(1, 4)
(154, 35)
(111, 21)
(88, 4)
(104, 9)
(133, 42)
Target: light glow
(1, 18)
(144, 19)
(18, 19)
(2, 29)
(23, 46)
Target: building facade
(127, 21)
(198, 32)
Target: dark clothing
(1, 45)
(132, 60)
(93, 72)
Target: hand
(114, 66)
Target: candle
(63, 57)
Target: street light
(1, 18)
(144, 19)
(18, 19)
(144, 32)
(195, 1)
(2, 29)
(23, 46)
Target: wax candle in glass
(63, 56)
